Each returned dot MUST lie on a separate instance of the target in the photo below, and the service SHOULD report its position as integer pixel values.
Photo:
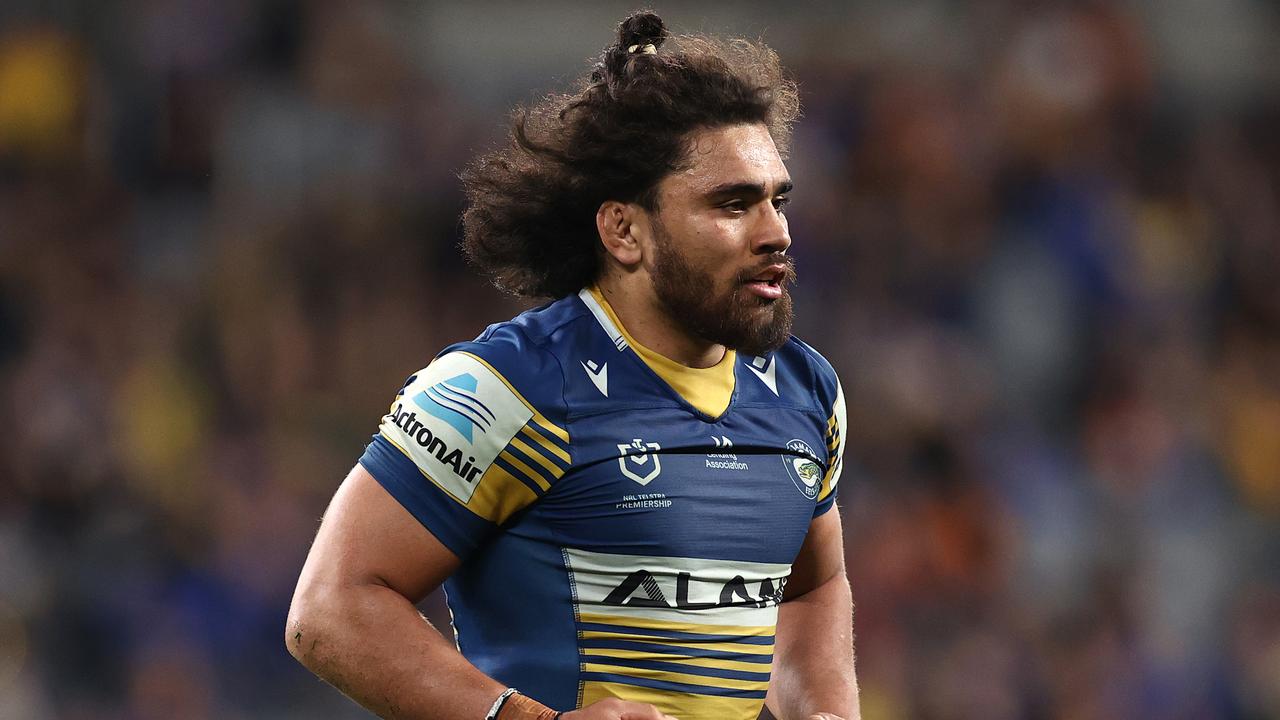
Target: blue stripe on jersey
(678, 634)
(672, 686)
(530, 437)
(461, 532)
(519, 474)
(533, 464)
(610, 644)
(545, 432)
(678, 668)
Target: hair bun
(642, 28)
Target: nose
(772, 234)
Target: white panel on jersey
(453, 419)
(603, 318)
(676, 590)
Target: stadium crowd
(1039, 241)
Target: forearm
(373, 645)
(813, 668)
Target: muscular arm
(353, 620)
(813, 651)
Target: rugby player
(628, 493)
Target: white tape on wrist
(497, 704)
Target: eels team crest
(804, 471)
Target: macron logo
(766, 370)
(599, 374)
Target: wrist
(513, 705)
(496, 709)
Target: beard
(734, 317)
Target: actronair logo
(452, 420)
(421, 434)
(454, 401)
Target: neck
(632, 298)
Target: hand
(615, 709)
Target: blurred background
(1040, 241)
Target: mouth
(768, 282)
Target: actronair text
(421, 434)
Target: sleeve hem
(422, 499)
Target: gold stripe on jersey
(685, 707)
(833, 457)
(673, 645)
(531, 432)
(835, 445)
(643, 645)
(706, 662)
(547, 429)
(497, 495)
(701, 628)
(523, 468)
(827, 485)
(707, 681)
(552, 469)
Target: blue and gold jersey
(618, 537)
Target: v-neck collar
(707, 390)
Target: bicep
(821, 556)
(367, 538)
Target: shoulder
(536, 328)
(521, 354)
(811, 368)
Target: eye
(780, 203)
(736, 207)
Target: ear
(622, 227)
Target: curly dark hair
(529, 224)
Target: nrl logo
(639, 460)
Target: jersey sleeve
(828, 395)
(463, 449)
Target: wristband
(497, 704)
(522, 707)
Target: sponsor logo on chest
(729, 592)
(724, 460)
(642, 588)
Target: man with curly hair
(628, 493)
